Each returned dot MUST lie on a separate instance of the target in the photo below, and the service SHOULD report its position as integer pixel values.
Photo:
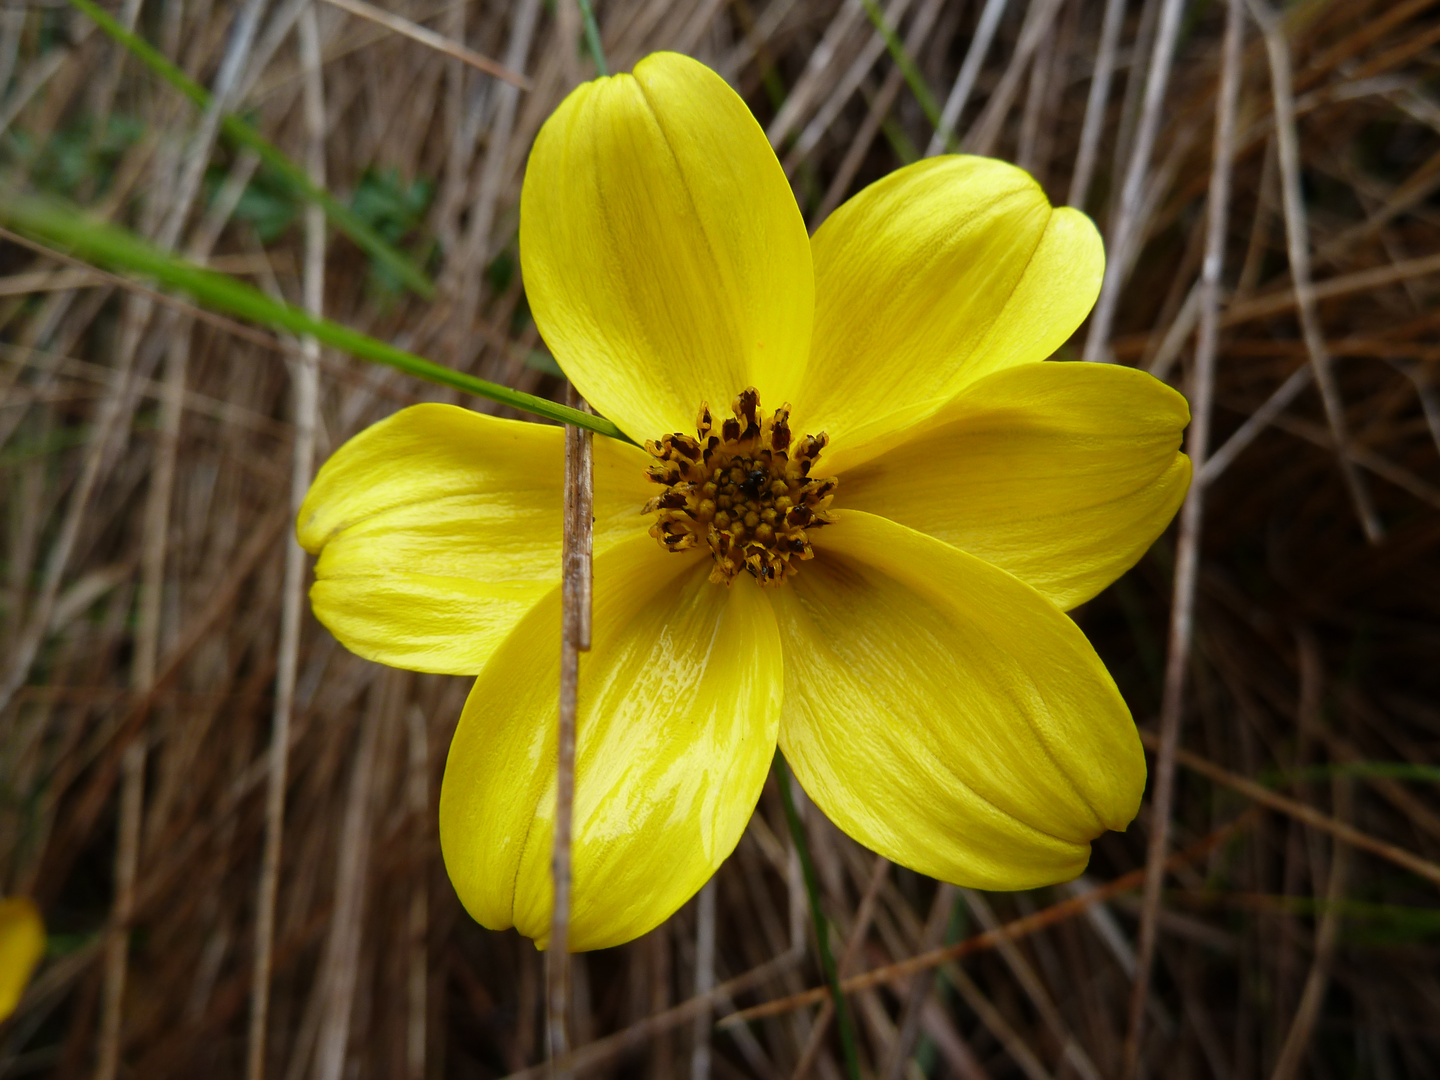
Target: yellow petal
(1061, 473)
(948, 716)
(22, 944)
(439, 528)
(679, 705)
(665, 260)
(931, 278)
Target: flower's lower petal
(679, 703)
(947, 715)
(931, 278)
(439, 528)
(1061, 473)
(665, 259)
(22, 944)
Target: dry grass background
(146, 460)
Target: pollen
(744, 490)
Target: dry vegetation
(145, 473)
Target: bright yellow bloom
(911, 657)
(22, 944)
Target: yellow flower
(900, 631)
(22, 944)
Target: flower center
(746, 492)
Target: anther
(746, 491)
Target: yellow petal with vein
(931, 278)
(1063, 474)
(22, 944)
(438, 528)
(947, 715)
(679, 705)
(665, 260)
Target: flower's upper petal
(947, 715)
(931, 278)
(665, 260)
(438, 528)
(1061, 473)
(679, 702)
(22, 944)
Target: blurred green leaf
(539, 360)
(395, 210)
(75, 154)
(501, 271)
(267, 205)
(245, 134)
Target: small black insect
(753, 480)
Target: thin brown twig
(917, 994)
(338, 980)
(812, 80)
(430, 39)
(576, 584)
(218, 605)
(306, 405)
(863, 915)
(1319, 435)
(1096, 102)
(1039, 20)
(1297, 236)
(1013, 1041)
(700, 1056)
(1011, 931)
(417, 791)
(880, 107)
(1073, 1053)
(250, 334)
(843, 90)
(462, 278)
(1187, 552)
(1303, 812)
(612, 1046)
(1297, 1039)
(1255, 423)
(178, 203)
(1121, 234)
(964, 84)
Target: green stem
(112, 247)
(592, 37)
(918, 86)
(1389, 770)
(822, 925)
(236, 129)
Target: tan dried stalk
(1187, 554)
(306, 406)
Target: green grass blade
(110, 246)
(592, 37)
(918, 86)
(345, 219)
(822, 925)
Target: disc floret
(745, 491)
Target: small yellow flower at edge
(865, 505)
(22, 944)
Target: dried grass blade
(1011, 931)
(306, 398)
(344, 218)
(430, 39)
(1297, 236)
(54, 223)
(1187, 555)
(1121, 234)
